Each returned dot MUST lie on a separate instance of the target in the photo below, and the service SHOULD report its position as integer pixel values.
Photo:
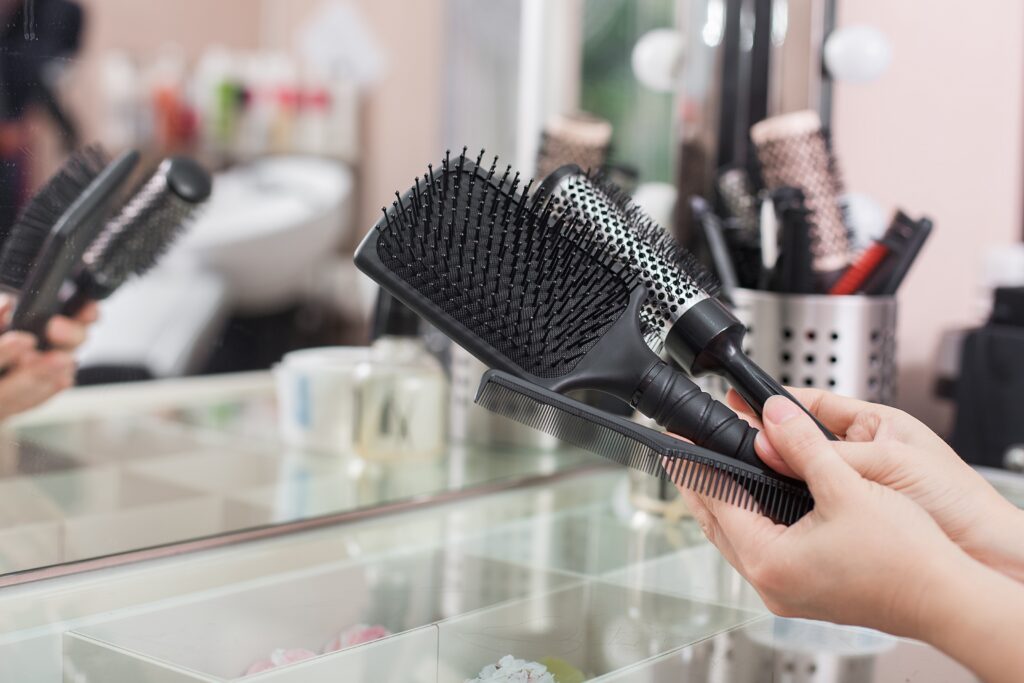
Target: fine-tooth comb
(633, 445)
(698, 331)
(514, 280)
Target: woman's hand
(888, 446)
(866, 555)
(32, 376)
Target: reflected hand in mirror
(866, 555)
(32, 376)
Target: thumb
(804, 449)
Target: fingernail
(779, 409)
(764, 447)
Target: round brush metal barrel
(698, 332)
(133, 241)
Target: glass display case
(562, 572)
(160, 464)
(361, 570)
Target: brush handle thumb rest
(673, 401)
(756, 386)
(708, 338)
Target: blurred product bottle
(403, 391)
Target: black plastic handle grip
(756, 386)
(672, 400)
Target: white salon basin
(267, 226)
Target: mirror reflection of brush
(699, 332)
(579, 138)
(515, 281)
(134, 240)
(73, 232)
(25, 239)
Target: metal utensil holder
(845, 344)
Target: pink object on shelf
(356, 635)
(280, 657)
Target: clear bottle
(403, 405)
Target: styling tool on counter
(717, 244)
(735, 191)
(633, 445)
(580, 138)
(700, 333)
(29, 232)
(881, 268)
(73, 232)
(133, 241)
(403, 390)
(794, 151)
(891, 273)
(792, 273)
(515, 281)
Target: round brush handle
(756, 386)
(671, 399)
(86, 289)
(75, 303)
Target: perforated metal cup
(845, 344)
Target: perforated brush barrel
(844, 344)
(794, 152)
(674, 280)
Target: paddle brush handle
(672, 400)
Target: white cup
(318, 397)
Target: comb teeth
(674, 278)
(643, 449)
(33, 226)
(138, 236)
(511, 268)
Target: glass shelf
(206, 463)
(218, 637)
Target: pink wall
(401, 124)
(939, 134)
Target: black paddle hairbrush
(41, 213)
(515, 281)
(698, 331)
(134, 240)
(62, 251)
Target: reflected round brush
(794, 151)
(580, 138)
(734, 188)
(132, 242)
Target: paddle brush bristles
(504, 264)
(33, 226)
(635, 446)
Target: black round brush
(513, 279)
(133, 241)
(25, 240)
(699, 332)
